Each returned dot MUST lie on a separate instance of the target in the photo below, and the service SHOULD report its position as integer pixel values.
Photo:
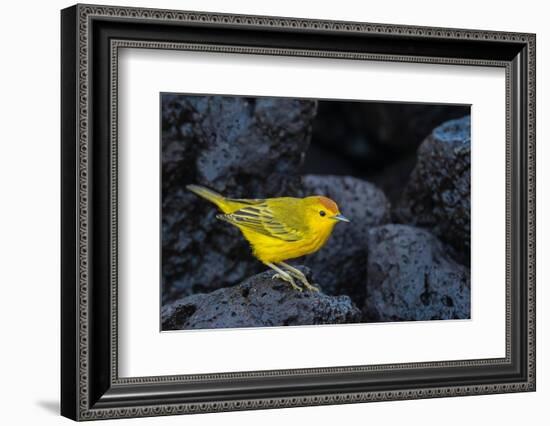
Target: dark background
(376, 141)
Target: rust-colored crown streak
(329, 204)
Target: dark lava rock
(437, 196)
(412, 278)
(340, 267)
(259, 301)
(241, 147)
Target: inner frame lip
(441, 364)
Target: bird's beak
(340, 217)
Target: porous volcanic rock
(259, 301)
(411, 277)
(241, 147)
(437, 196)
(340, 266)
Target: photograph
(280, 211)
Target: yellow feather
(281, 228)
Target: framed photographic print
(263, 212)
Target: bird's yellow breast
(269, 249)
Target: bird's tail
(212, 196)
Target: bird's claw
(309, 286)
(304, 280)
(306, 283)
(288, 279)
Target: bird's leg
(300, 275)
(283, 275)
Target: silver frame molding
(91, 388)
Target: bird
(279, 229)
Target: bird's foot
(305, 282)
(288, 279)
(299, 275)
(307, 285)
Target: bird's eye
(322, 213)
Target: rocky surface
(437, 196)
(340, 267)
(411, 277)
(242, 147)
(259, 301)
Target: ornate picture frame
(91, 38)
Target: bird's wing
(262, 219)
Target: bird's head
(322, 212)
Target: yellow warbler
(279, 228)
